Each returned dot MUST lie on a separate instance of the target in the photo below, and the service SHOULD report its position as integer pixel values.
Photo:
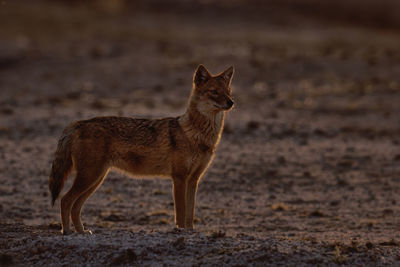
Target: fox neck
(204, 128)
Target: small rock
(281, 160)
(392, 243)
(334, 202)
(126, 256)
(6, 111)
(114, 218)
(179, 241)
(280, 207)
(5, 259)
(369, 245)
(316, 213)
(253, 125)
(218, 234)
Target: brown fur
(180, 147)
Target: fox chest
(200, 156)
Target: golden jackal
(181, 148)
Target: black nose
(229, 103)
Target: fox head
(212, 93)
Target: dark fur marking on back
(153, 130)
(138, 131)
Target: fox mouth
(223, 107)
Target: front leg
(179, 191)
(191, 189)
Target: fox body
(179, 147)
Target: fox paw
(66, 232)
(87, 232)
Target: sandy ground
(307, 172)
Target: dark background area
(307, 171)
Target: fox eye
(214, 92)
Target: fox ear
(227, 75)
(201, 75)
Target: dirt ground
(308, 169)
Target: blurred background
(296, 48)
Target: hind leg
(77, 206)
(84, 180)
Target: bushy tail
(62, 164)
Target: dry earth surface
(308, 169)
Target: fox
(180, 148)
